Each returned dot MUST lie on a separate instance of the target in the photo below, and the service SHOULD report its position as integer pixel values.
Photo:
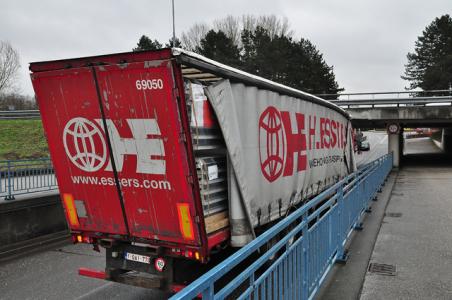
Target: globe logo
(84, 144)
(271, 144)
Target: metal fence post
(305, 259)
(208, 293)
(9, 196)
(341, 253)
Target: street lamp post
(174, 25)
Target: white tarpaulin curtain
(282, 151)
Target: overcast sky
(365, 40)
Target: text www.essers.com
(123, 182)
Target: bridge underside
(408, 116)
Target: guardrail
(390, 94)
(396, 101)
(305, 245)
(26, 176)
(19, 114)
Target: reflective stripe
(68, 200)
(185, 224)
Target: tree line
(263, 46)
(266, 46)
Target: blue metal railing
(305, 245)
(26, 176)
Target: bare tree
(249, 22)
(191, 39)
(233, 27)
(272, 24)
(9, 65)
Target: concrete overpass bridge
(398, 110)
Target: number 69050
(149, 84)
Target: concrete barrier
(26, 219)
(443, 139)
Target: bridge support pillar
(395, 143)
(446, 139)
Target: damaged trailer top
(284, 146)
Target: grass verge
(22, 139)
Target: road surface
(53, 275)
(378, 141)
(415, 236)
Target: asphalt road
(423, 145)
(53, 274)
(378, 147)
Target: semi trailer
(165, 158)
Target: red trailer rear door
(71, 118)
(145, 130)
(143, 151)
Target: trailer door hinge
(190, 179)
(197, 219)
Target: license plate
(137, 257)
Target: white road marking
(92, 292)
